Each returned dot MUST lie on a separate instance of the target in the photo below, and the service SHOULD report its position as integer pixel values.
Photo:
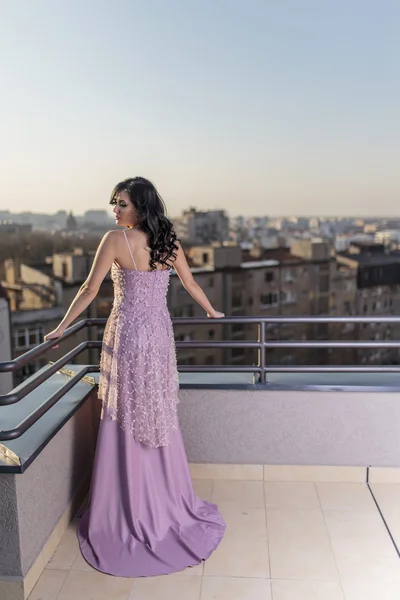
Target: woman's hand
(215, 314)
(53, 335)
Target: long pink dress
(143, 517)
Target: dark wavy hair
(151, 210)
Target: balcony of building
(302, 460)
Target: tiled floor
(284, 541)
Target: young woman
(143, 517)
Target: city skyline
(258, 109)
(246, 216)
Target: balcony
(302, 460)
(301, 533)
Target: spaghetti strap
(129, 248)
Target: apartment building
(39, 296)
(202, 227)
(342, 303)
(377, 293)
(286, 284)
(181, 304)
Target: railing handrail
(292, 319)
(30, 355)
(17, 363)
(261, 344)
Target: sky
(256, 107)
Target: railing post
(261, 351)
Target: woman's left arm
(103, 260)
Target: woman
(143, 517)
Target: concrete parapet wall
(37, 499)
(349, 428)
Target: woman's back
(140, 295)
(132, 251)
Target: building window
(288, 297)
(288, 277)
(348, 286)
(211, 334)
(237, 300)
(269, 276)
(184, 337)
(20, 338)
(205, 258)
(269, 299)
(250, 301)
(210, 360)
(28, 337)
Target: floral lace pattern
(139, 382)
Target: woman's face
(125, 212)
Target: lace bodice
(141, 290)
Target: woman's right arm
(185, 275)
(88, 291)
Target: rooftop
(370, 258)
(23, 317)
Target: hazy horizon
(247, 216)
(256, 108)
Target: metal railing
(261, 368)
